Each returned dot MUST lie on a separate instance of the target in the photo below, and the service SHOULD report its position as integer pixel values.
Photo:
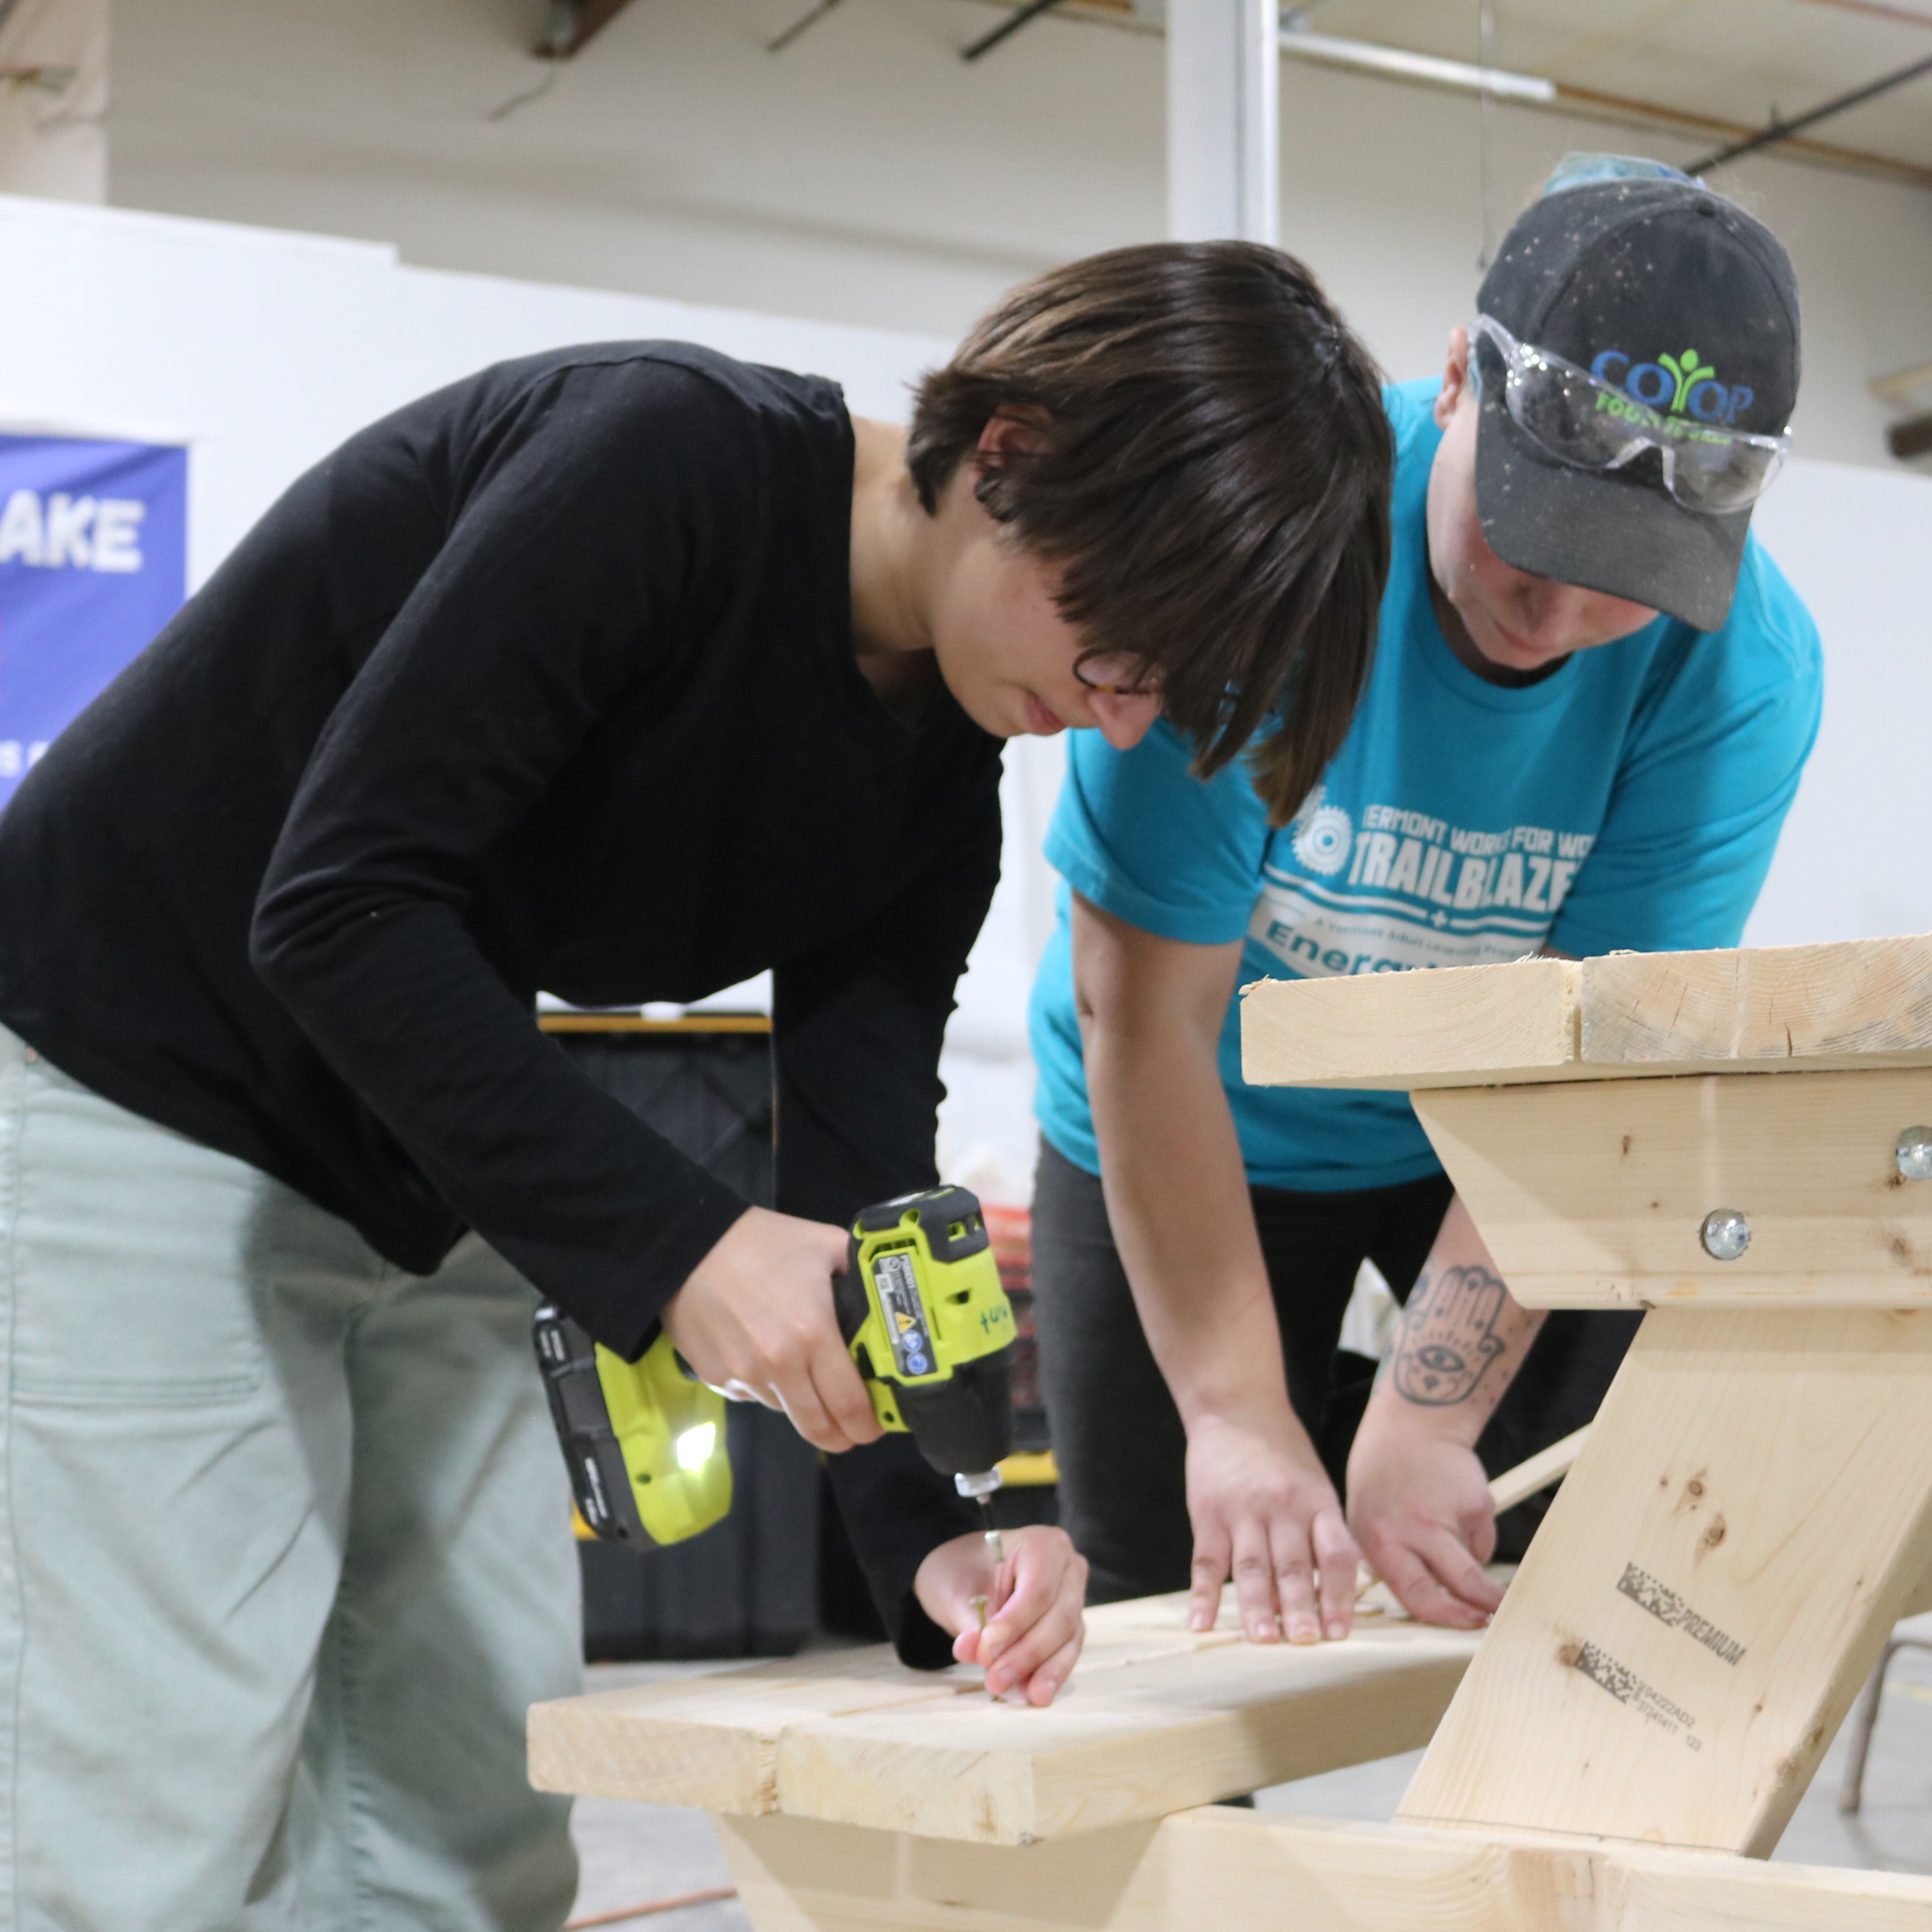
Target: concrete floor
(634, 1853)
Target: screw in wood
(1913, 1151)
(1725, 1233)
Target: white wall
(868, 175)
(269, 349)
(1856, 858)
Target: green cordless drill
(920, 1308)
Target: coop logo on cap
(1675, 384)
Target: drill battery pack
(645, 1443)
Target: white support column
(1223, 120)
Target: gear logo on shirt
(1323, 834)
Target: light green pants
(284, 1553)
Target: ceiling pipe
(1783, 130)
(1370, 57)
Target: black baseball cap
(1621, 262)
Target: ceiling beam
(1625, 112)
(810, 18)
(1911, 438)
(1878, 10)
(1022, 16)
(569, 24)
(1592, 103)
(1783, 131)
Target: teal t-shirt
(1631, 798)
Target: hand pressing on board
(1265, 1514)
(1033, 1626)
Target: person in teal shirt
(1576, 479)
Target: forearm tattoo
(1448, 1336)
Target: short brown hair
(1213, 475)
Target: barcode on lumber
(1668, 1608)
(1628, 1688)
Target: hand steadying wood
(1514, 1486)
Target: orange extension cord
(705, 1898)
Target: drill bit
(979, 1486)
(995, 1548)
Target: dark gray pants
(1117, 1436)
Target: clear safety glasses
(1590, 424)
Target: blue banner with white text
(93, 562)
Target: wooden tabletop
(1155, 1718)
(1797, 1009)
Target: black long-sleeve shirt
(545, 681)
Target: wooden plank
(1711, 1587)
(1535, 1473)
(1593, 1194)
(713, 1740)
(1124, 1744)
(1156, 1718)
(1240, 1870)
(1868, 1002)
(1858, 1004)
(1454, 1026)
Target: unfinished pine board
(1712, 1585)
(1592, 1194)
(712, 1741)
(1241, 1870)
(1860, 1004)
(1156, 1718)
(1865, 1002)
(1535, 1473)
(1126, 1744)
(1456, 1024)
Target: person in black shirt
(621, 672)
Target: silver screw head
(1913, 1150)
(1725, 1233)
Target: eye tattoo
(1449, 1336)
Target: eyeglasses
(1590, 424)
(1116, 675)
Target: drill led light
(695, 1446)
